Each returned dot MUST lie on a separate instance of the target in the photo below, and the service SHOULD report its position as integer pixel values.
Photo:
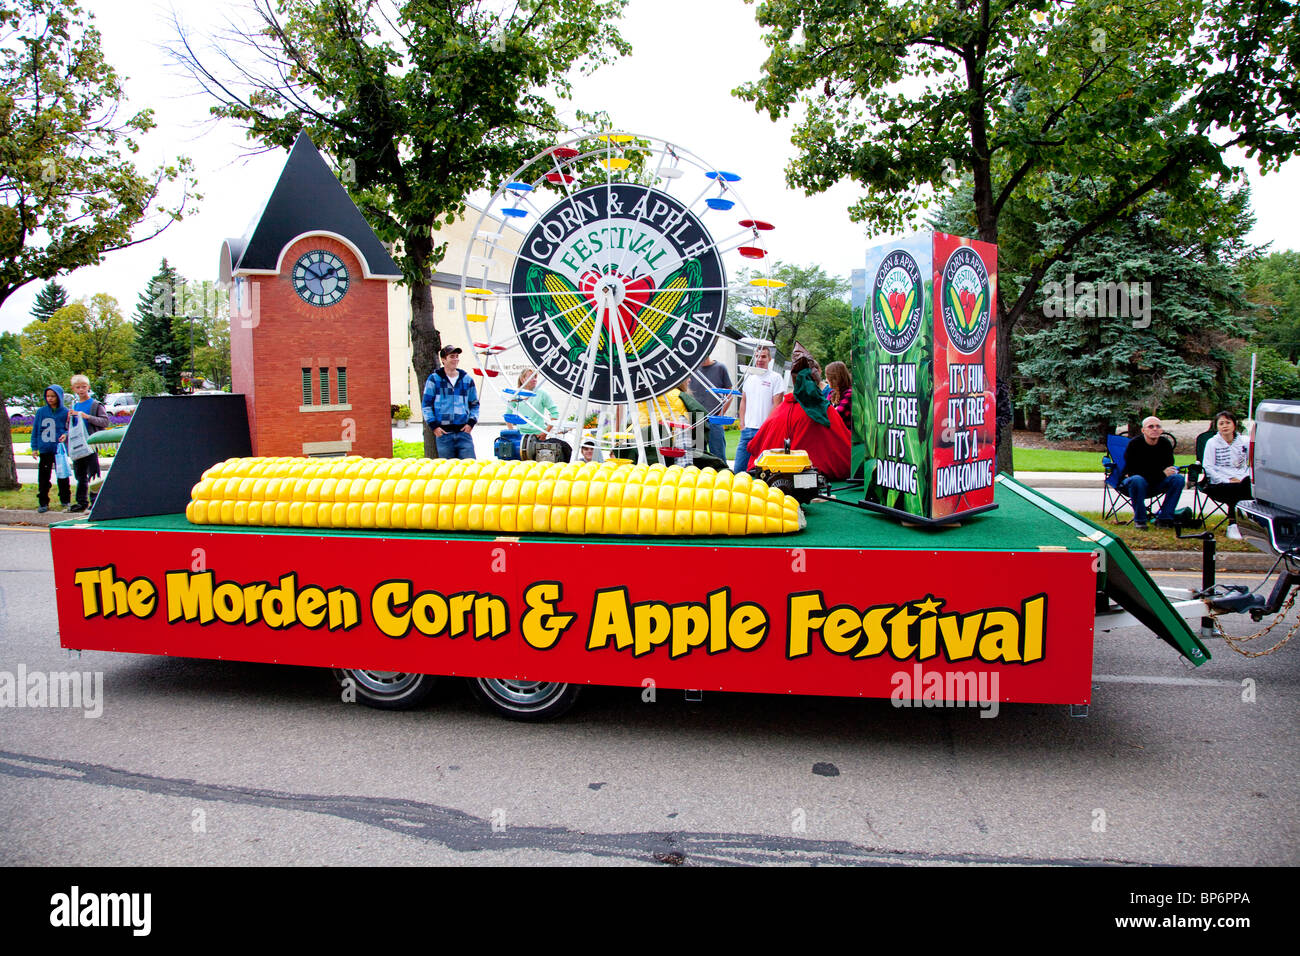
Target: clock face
(320, 278)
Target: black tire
(518, 699)
(387, 690)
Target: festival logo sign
(965, 300)
(897, 302)
(618, 270)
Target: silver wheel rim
(519, 694)
(386, 683)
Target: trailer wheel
(519, 699)
(387, 690)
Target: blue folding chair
(1115, 496)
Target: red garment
(828, 447)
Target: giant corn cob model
(507, 497)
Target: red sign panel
(843, 622)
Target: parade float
(273, 526)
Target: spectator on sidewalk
(1226, 464)
(1148, 471)
(91, 411)
(49, 432)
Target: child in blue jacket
(49, 431)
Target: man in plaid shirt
(450, 406)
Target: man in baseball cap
(450, 405)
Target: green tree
(807, 302)
(1141, 321)
(419, 103)
(906, 98)
(49, 300)
(24, 378)
(90, 337)
(1273, 291)
(1275, 377)
(156, 345)
(208, 335)
(69, 192)
(147, 382)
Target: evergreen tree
(156, 346)
(1140, 318)
(49, 300)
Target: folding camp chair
(1200, 482)
(1114, 496)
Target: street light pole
(192, 317)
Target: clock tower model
(309, 318)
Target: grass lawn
(1163, 539)
(1050, 459)
(25, 497)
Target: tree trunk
(425, 340)
(1034, 419)
(8, 467)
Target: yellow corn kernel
(338, 515)
(736, 523)
(509, 518)
(683, 519)
(460, 517)
(282, 509)
(474, 519)
(558, 518)
(701, 522)
(594, 520)
(577, 519)
(560, 493)
(491, 517)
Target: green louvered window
(306, 386)
(343, 385)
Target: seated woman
(805, 418)
(1227, 468)
(841, 394)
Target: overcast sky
(687, 57)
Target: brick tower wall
(283, 335)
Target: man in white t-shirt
(759, 393)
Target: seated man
(804, 417)
(1149, 470)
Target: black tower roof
(308, 198)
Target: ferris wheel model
(616, 293)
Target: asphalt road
(203, 762)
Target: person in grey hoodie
(49, 431)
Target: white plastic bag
(62, 468)
(78, 446)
